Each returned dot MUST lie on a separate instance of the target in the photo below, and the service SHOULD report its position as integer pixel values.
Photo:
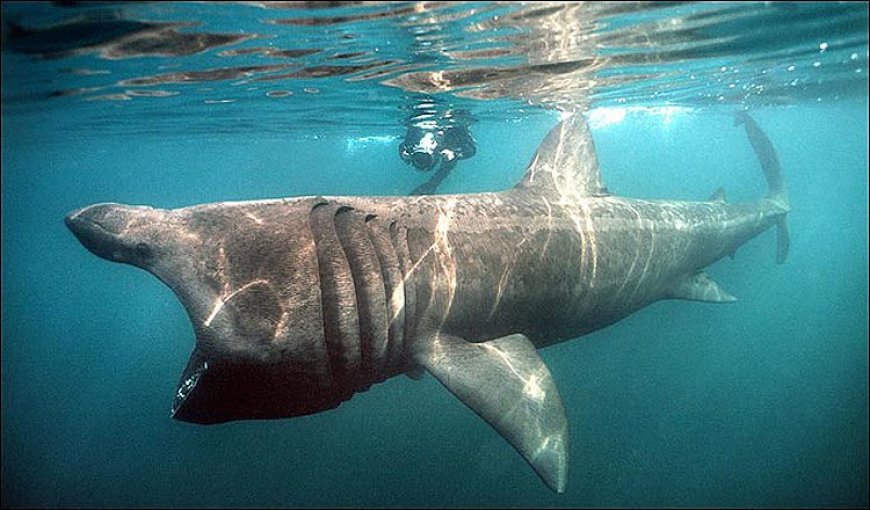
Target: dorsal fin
(565, 163)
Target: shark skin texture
(299, 303)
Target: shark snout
(89, 225)
(101, 228)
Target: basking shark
(299, 303)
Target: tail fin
(777, 191)
(782, 240)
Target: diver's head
(423, 160)
(420, 149)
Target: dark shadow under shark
(299, 303)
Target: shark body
(299, 303)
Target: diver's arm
(460, 141)
(429, 187)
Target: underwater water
(763, 402)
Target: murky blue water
(760, 403)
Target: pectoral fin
(506, 383)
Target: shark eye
(143, 251)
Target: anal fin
(699, 287)
(507, 384)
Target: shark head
(248, 279)
(156, 240)
(116, 232)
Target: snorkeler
(427, 146)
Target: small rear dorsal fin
(565, 164)
(718, 196)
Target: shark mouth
(196, 367)
(217, 391)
